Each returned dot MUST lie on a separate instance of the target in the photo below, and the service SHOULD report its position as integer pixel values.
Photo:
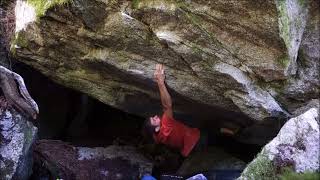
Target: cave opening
(72, 116)
(82, 121)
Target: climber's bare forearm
(164, 94)
(165, 99)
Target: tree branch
(10, 82)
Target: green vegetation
(261, 168)
(42, 6)
(284, 22)
(135, 4)
(302, 3)
(283, 60)
(289, 174)
(18, 40)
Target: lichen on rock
(292, 22)
(41, 6)
(296, 147)
(222, 54)
(17, 137)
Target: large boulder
(16, 138)
(224, 60)
(294, 92)
(296, 147)
(57, 159)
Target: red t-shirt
(177, 135)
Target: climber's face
(155, 121)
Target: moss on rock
(289, 174)
(284, 22)
(261, 168)
(135, 4)
(302, 3)
(19, 41)
(41, 6)
(283, 60)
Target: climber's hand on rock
(159, 73)
(227, 131)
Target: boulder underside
(241, 62)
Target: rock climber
(168, 131)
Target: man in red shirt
(166, 130)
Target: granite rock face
(255, 58)
(16, 138)
(296, 146)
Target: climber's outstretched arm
(164, 94)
